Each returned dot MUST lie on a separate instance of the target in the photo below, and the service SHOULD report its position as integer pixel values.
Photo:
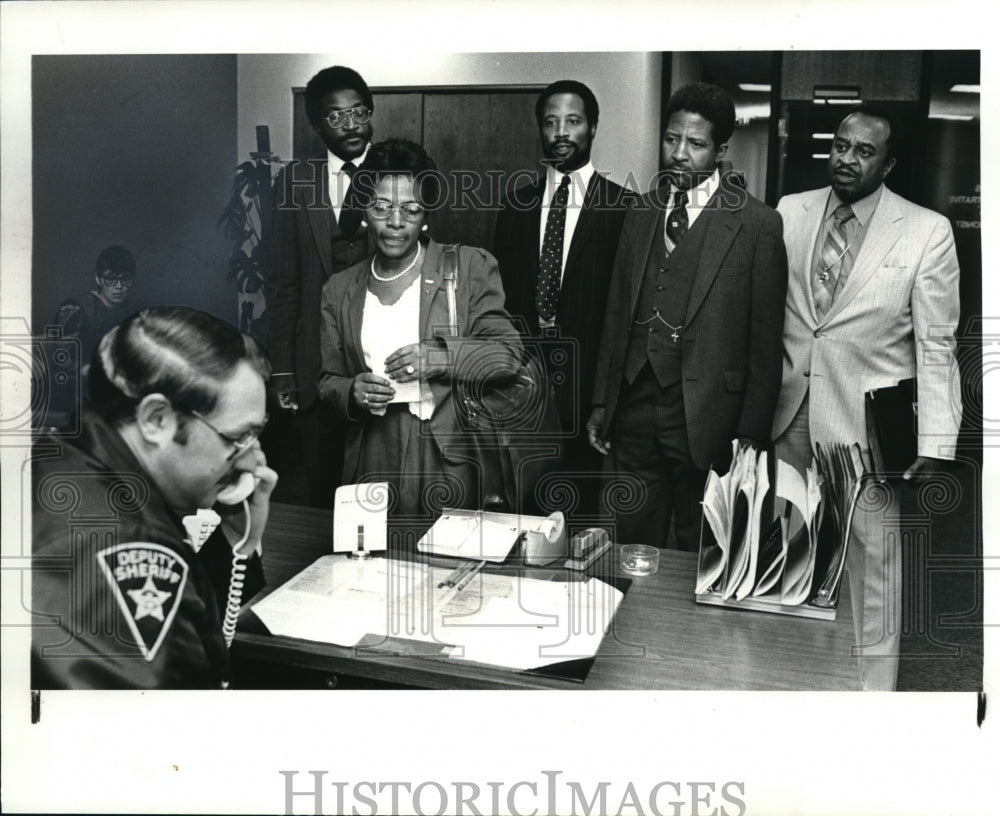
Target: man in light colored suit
(872, 300)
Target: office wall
(627, 86)
(134, 150)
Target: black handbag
(506, 418)
(515, 403)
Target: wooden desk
(660, 638)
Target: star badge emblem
(149, 600)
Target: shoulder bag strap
(449, 274)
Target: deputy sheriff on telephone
(130, 578)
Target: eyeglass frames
(242, 442)
(115, 280)
(338, 118)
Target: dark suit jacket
(586, 278)
(731, 354)
(306, 249)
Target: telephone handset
(238, 491)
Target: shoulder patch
(147, 581)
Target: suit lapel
(882, 234)
(322, 222)
(813, 208)
(584, 224)
(533, 221)
(430, 282)
(356, 295)
(651, 212)
(721, 227)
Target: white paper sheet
(502, 620)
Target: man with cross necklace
(691, 347)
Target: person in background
(555, 241)
(690, 355)
(873, 299)
(91, 315)
(126, 589)
(316, 234)
(389, 359)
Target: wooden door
(483, 142)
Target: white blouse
(385, 328)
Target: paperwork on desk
(749, 550)
(473, 534)
(732, 508)
(843, 470)
(803, 513)
(502, 620)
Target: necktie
(834, 263)
(550, 264)
(350, 214)
(677, 218)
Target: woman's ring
(410, 369)
(364, 399)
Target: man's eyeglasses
(118, 280)
(242, 442)
(381, 210)
(338, 118)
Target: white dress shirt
(579, 179)
(698, 197)
(338, 179)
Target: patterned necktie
(834, 262)
(550, 264)
(677, 218)
(350, 214)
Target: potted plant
(246, 221)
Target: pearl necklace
(398, 275)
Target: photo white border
(795, 753)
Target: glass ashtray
(639, 559)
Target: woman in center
(390, 354)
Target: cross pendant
(674, 336)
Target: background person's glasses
(242, 442)
(339, 118)
(116, 280)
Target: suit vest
(666, 287)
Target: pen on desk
(460, 574)
(453, 576)
(470, 575)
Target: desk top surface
(659, 639)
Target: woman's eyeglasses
(381, 210)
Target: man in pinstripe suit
(872, 300)
(315, 234)
(690, 354)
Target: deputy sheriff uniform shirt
(119, 596)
